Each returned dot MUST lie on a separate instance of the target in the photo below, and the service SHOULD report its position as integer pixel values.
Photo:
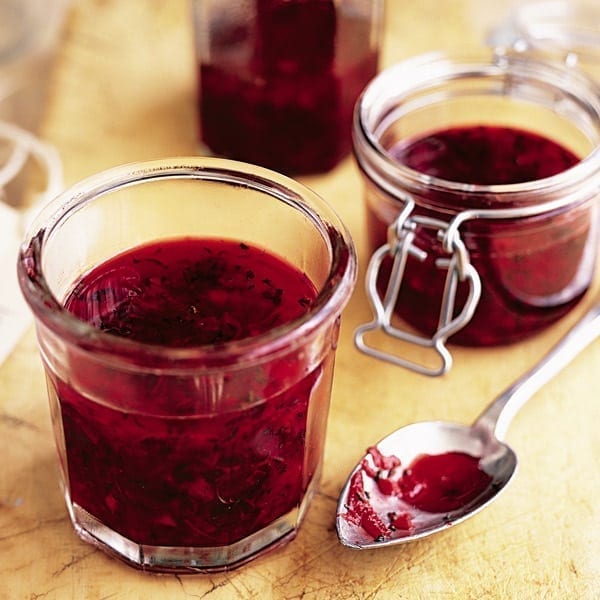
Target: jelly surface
(215, 477)
(533, 270)
(438, 483)
(191, 292)
(281, 94)
(485, 155)
(432, 483)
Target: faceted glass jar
(187, 458)
(533, 243)
(278, 79)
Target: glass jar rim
(332, 296)
(394, 84)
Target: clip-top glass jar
(278, 79)
(482, 176)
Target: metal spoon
(482, 439)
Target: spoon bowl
(495, 461)
(498, 460)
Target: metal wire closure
(400, 247)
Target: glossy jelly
(528, 268)
(432, 483)
(485, 155)
(191, 292)
(217, 478)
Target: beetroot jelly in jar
(278, 79)
(179, 482)
(189, 355)
(488, 168)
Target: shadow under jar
(189, 346)
(480, 171)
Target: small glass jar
(482, 264)
(186, 458)
(278, 79)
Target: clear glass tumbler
(198, 458)
(278, 79)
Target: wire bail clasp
(400, 246)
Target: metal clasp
(400, 246)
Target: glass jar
(278, 79)
(186, 458)
(484, 264)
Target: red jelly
(278, 80)
(530, 272)
(432, 483)
(485, 155)
(191, 292)
(215, 476)
(439, 483)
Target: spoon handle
(499, 414)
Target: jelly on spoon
(427, 476)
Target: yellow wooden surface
(123, 90)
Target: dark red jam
(432, 483)
(485, 155)
(191, 292)
(279, 92)
(533, 270)
(181, 477)
(440, 483)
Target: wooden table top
(123, 90)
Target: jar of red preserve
(278, 79)
(482, 177)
